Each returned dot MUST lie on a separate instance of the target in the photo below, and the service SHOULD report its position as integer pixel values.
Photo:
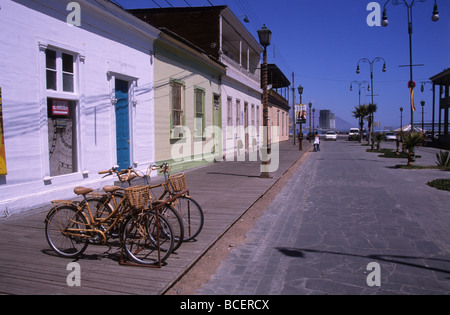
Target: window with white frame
(258, 117)
(60, 71)
(199, 120)
(278, 119)
(62, 101)
(229, 117)
(253, 114)
(177, 97)
(238, 118)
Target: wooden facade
(278, 105)
(221, 35)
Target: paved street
(343, 209)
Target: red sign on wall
(60, 107)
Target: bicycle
(174, 187)
(165, 208)
(71, 226)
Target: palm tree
(360, 113)
(371, 109)
(410, 142)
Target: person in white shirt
(316, 142)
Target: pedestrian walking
(316, 142)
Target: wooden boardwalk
(225, 191)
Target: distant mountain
(343, 125)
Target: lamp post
(300, 135)
(294, 114)
(310, 135)
(264, 35)
(385, 22)
(422, 102)
(359, 85)
(313, 120)
(358, 71)
(401, 122)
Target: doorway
(247, 140)
(122, 123)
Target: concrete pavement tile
(323, 286)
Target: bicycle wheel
(192, 216)
(64, 227)
(147, 240)
(176, 222)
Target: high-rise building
(327, 119)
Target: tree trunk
(410, 158)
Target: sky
(321, 42)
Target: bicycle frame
(94, 223)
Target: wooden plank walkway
(225, 191)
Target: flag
(413, 108)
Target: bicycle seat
(127, 177)
(110, 188)
(82, 190)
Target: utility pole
(293, 107)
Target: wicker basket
(177, 182)
(138, 197)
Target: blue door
(122, 125)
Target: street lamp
(265, 35)
(422, 102)
(358, 71)
(310, 135)
(300, 135)
(401, 122)
(385, 22)
(313, 119)
(359, 84)
(423, 83)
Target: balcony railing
(232, 63)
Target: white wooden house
(77, 97)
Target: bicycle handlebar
(164, 167)
(114, 170)
(105, 172)
(132, 173)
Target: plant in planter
(443, 159)
(410, 142)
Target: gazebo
(407, 128)
(443, 81)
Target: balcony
(278, 100)
(232, 64)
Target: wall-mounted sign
(2, 141)
(60, 107)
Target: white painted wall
(109, 43)
(239, 87)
